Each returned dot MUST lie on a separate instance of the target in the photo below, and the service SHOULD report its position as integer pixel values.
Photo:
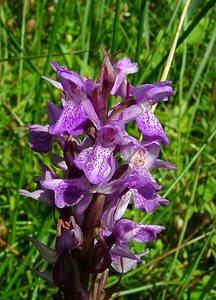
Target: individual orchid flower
(77, 108)
(123, 67)
(119, 232)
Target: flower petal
(150, 204)
(147, 233)
(163, 164)
(70, 239)
(71, 120)
(125, 66)
(40, 140)
(124, 264)
(154, 92)
(120, 78)
(40, 195)
(54, 112)
(151, 128)
(55, 83)
(97, 163)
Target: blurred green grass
(34, 32)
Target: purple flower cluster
(103, 168)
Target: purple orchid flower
(119, 232)
(123, 67)
(103, 168)
(77, 108)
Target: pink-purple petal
(153, 92)
(151, 128)
(71, 120)
(55, 83)
(40, 140)
(148, 204)
(97, 163)
(125, 66)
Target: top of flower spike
(71, 83)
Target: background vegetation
(181, 264)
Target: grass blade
(116, 26)
(193, 268)
(174, 44)
(140, 30)
(196, 21)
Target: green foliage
(34, 32)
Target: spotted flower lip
(97, 162)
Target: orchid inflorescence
(103, 169)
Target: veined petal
(147, 233)
(70, 121)
(68, 192)
(54, 112)
(131, 113)
(163, 164)
(122, 250)
(47, 174)
(122, 205)
(81, 206)
(141, 179)
(124, 264)
(118, 81)
(144, 156)
(59, 162)
(151, 128)
(148, 204)
(127, 230)
(73, 84)
(97, 163)
(90, 113)
(115, 209)
(90, 85)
